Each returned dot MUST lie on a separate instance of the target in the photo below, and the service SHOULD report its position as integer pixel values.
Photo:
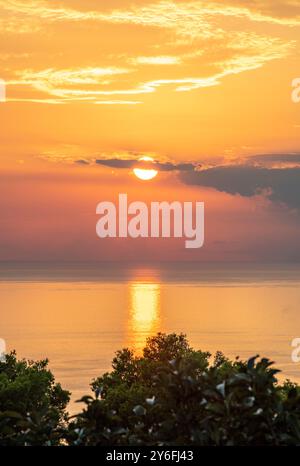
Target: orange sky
(206, 82)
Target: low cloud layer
(275, 176)
(278, 184)
(276, 160)
(132, 163)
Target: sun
(145, 174)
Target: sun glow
(145, 174)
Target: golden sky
(200, 82)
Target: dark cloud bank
(167, 166)
(282, 184)
(257, 175)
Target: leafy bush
(32, 406)
(171, 395)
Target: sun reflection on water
(144, 313)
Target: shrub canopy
(170, 395)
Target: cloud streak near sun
(134, 163)
(273, 176)
(276, 177)
(200, 44)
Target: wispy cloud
(117, 160)
(289, 160)
(118, 102)
(187, 16)
(158, 60)
(129, 163)
(213, 50)
(68, 84)
(195, 18)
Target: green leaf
(139, 410)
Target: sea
(78, 315)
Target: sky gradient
(204, 87)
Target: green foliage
(171, 395)
(32, 406)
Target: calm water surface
(78, 315)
